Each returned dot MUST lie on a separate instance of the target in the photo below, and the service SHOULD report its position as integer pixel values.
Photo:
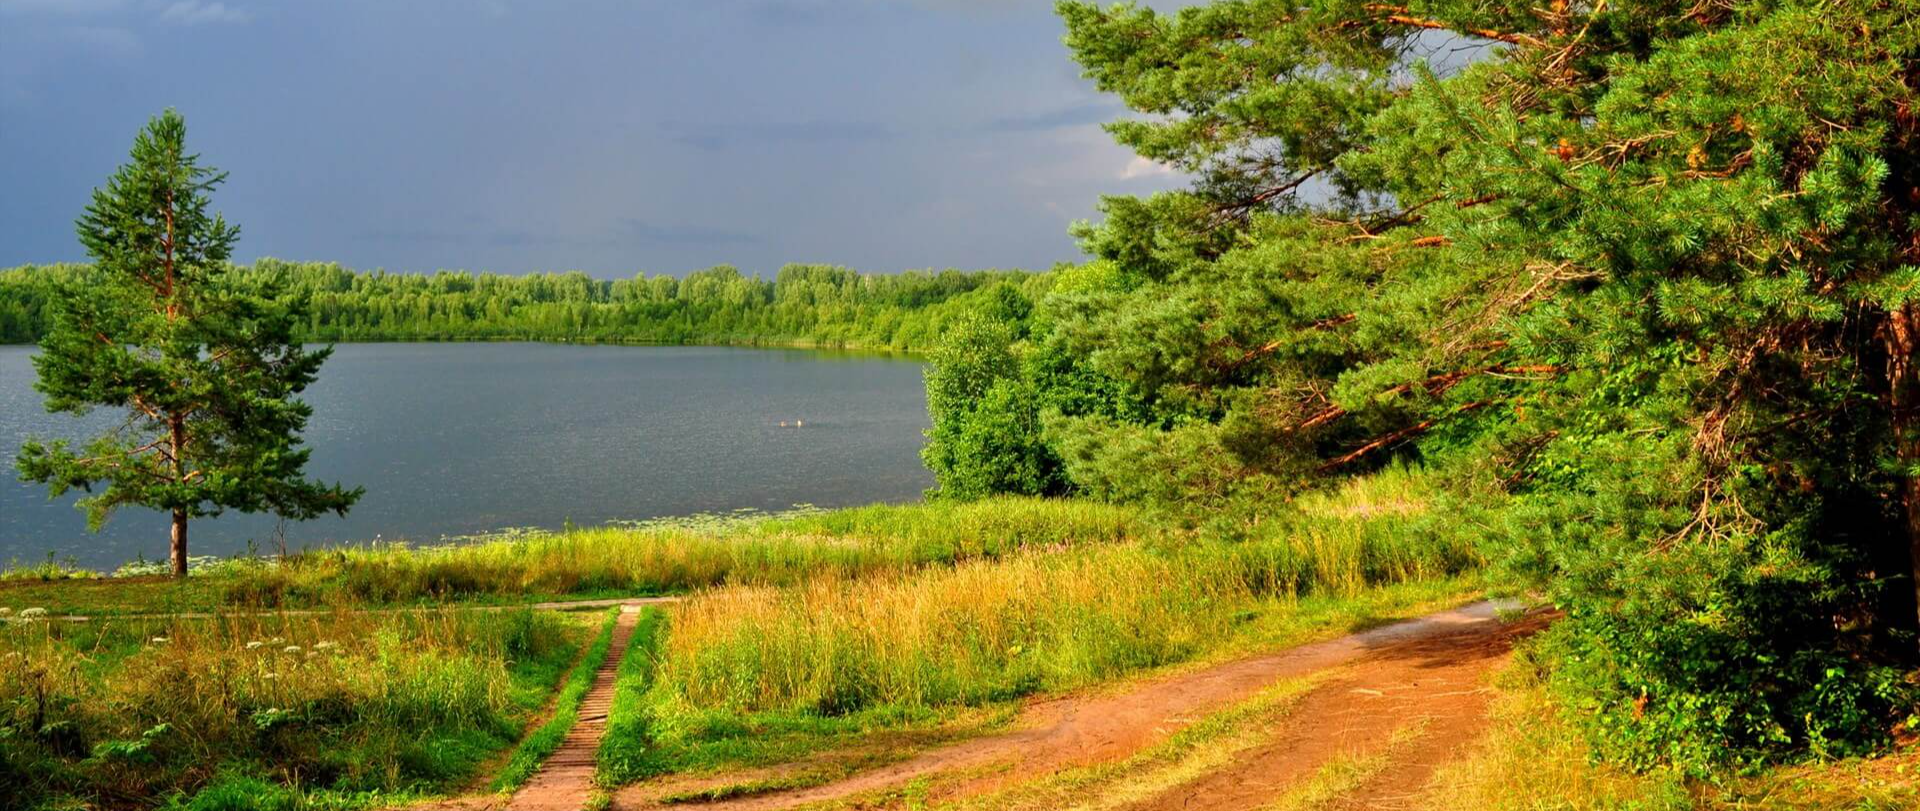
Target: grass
(336, 711)
(666, 720)
(779, 670)
(1534, 761)
(988, 631)
(615, 561)
(545, 740)
(816, 643)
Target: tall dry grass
(991, 629)
(686, 556)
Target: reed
(683, 556)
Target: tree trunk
(179, 543)
(177, 428)
(1903, 339)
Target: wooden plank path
(565, 781)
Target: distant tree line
(815, 305)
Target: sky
(513, 136)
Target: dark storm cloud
(1065, 117)
(626, 233)
(606, 135)
(722, 136)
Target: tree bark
(177, 428)
(1903, 339)
(180, 543)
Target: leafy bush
(987, 436)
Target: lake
(463, 439)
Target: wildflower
(5, 612)
(290, 649)
(31, 614)
(271, 676)
(325, 645)
(255, 645)
(160, 640)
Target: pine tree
(204, 364)
(1641, 278)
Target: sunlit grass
(831, 659)
(655, 558)
(342, 706)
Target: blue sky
(610, 137)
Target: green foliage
(204, 364)
(1635, 280)
(986, 434)
(803, 305)
(242, 793)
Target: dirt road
(1380, 711)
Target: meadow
(800, 633)
(753, 675)
(807, 647)
(261, 711)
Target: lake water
(460, 439)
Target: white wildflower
(324, 645)
(290, 649)
(31, 614)
(5, 612)
(255, 645)
(271, 676)
(160, 640)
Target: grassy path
(1355, 722)
(565, 781)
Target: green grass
(543, 741)
(343, 710)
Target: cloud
(105, 39)
(625, 233)
(194, 12)
(1141, 167)
(1057, 119)
(646, 233)
(715, 137)
(64, 7)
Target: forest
(804, 305)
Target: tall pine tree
(205, 365)
(1643, 278)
